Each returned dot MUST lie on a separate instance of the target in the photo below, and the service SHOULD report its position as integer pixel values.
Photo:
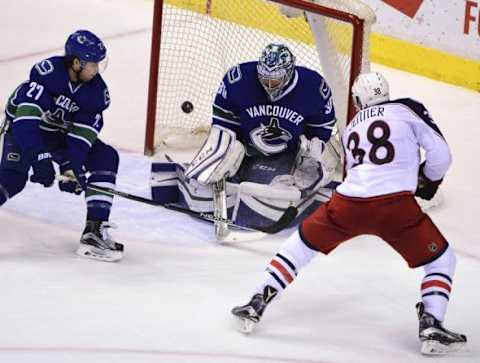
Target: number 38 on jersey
(378, 149)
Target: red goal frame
(155, 54)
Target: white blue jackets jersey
(382, 149)
(304, 107)
(77, 108)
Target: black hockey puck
(187, 107)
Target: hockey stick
(282, 223)
(220, 208)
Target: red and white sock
(284, 267)
(437, 284)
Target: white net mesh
(202, 39)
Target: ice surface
(169, 299)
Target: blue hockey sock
(99, 204)
(11, 183)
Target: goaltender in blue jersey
(56, 116)
(271, 122)
(269, 113)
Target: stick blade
(287, 217)
(241, 236)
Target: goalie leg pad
(219, 157)
(267, 189)
(164, 182)
(169, 185)
(264, 169)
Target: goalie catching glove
(312, 148)
(426, 188)
(315, 165)
(220, 157)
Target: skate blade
(245, 326)
(433, 347)
(99, 255)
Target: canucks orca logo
(270, 139)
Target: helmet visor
(95, 67)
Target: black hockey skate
(97, 244)
(436, 340)
(252, 312)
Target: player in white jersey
(384, 173)
(382, 154)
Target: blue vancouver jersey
(304, 107)
(76, 109)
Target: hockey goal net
(194, 42)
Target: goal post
(194, 42)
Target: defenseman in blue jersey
(271, 122)
(56, 116)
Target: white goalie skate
(97, 244)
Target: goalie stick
(287, 217)
(283, 222)
(220, 209)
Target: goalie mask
(275, 69)
(370, 89)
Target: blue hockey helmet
(275, 69)
(86, 46)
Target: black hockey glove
(43, 171)
(426, 188)
(77, 182)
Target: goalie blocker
(220, 157)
